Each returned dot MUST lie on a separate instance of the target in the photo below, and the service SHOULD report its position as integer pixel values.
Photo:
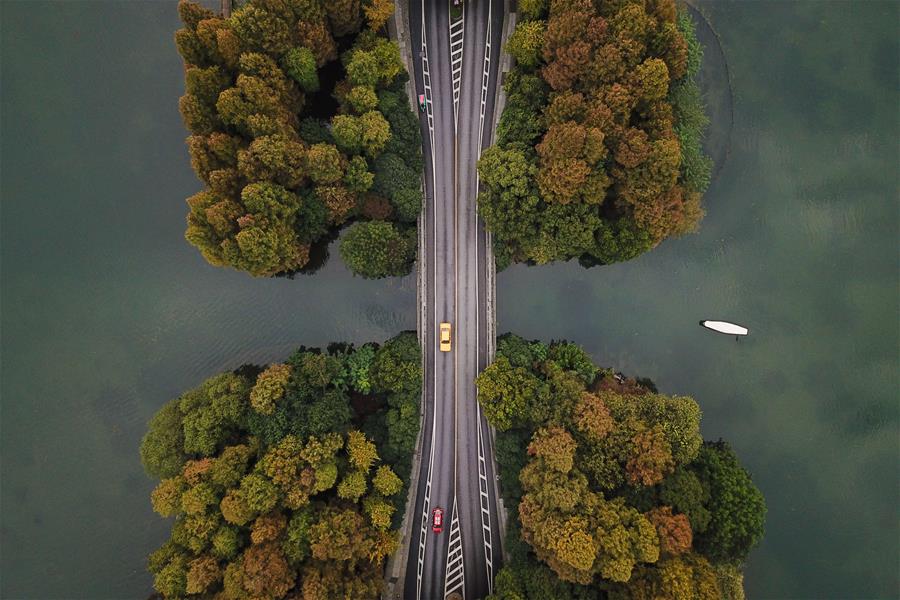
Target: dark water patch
(119, 411)
(714, 80)
(322, 104)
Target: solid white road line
(426, 504)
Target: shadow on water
(318, 255)
(714, 80)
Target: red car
(437, 520)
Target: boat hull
(725, 327)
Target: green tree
(377, 249)
(504, 392)
(386, 482)
(396, 368)
(162, 449)
(362, 69)
(359, 364)
(347, 132)
(358, 178)
(736, 506)
(362, 98)
(526, 42)
(325, 163)
(375, 132)
(300, 65)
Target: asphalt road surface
(456, 62)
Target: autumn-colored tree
(555, 446)
(378, 12)
(265, 517)
(386, 482)
(361, 451)
(269, 388)
(592, 417)
(375, 132)
(203, 572)
(246, 81)
(577, 532)
(338, 201)
(618, 140)
(611, 491)
(650, 459)
(674, 531)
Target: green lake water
(107, 312)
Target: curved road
(456, 62)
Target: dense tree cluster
(287, 481)
(299, 125)
(598, 153)
(612, 491)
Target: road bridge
(456, 54)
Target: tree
(359, 364)
(526, 42)
(325, 163)
(592, 418)
(362, 452)
(510, 204)
(736, 506)
(674, 531)
(256, 516)
(245, 81)
(261, 572)
(300, 65)
(347, 132)
(357, 178)
(396, 367)
(162, 452)
(683, 491)
(504, 392)
(362, 69)
(615, 71)
(532, 9)
(554, 515)
(344, 15)
(269, 388)
(393, 176)
(353, 486)
(375, 132)
(386, 482)
(378, 12)
(362, 98)
(555, 446)
(377, 249)
(202, 573)
(650, 459)
(611, 491)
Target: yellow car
(445, 337)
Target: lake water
(107, 313)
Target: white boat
(725, 327)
